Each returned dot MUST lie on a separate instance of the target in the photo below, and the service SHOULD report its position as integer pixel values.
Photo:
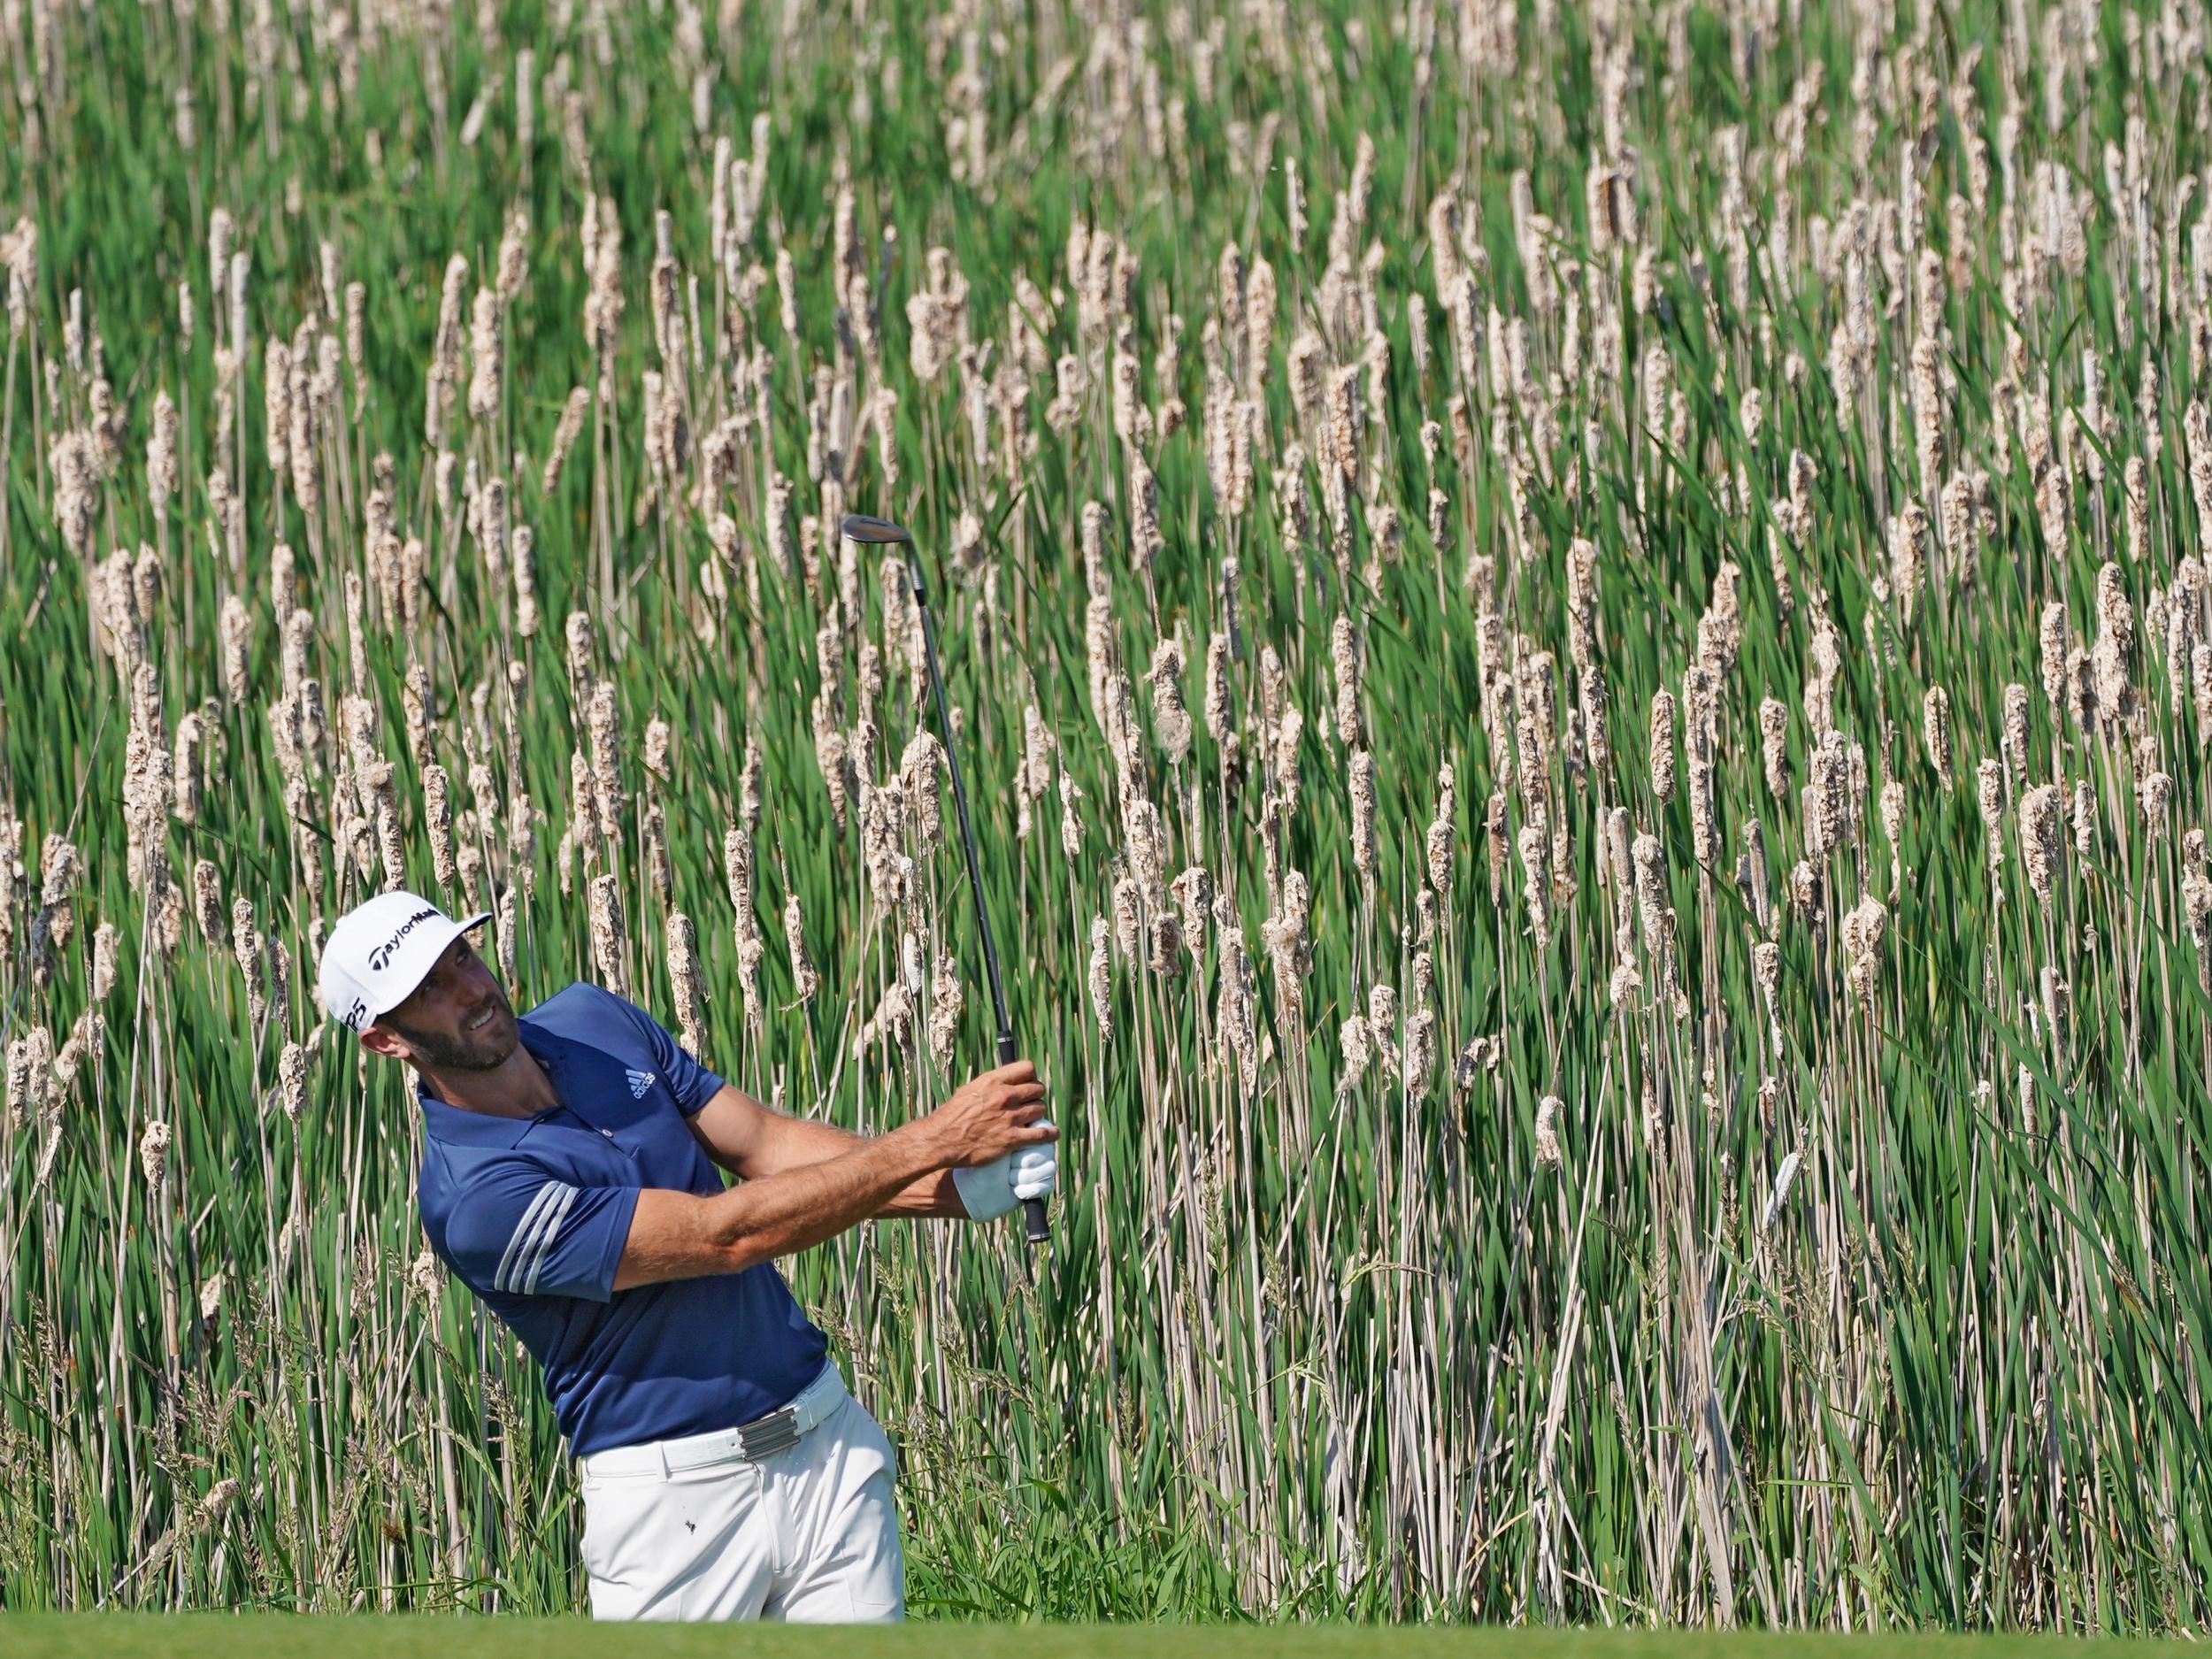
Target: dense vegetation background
(1581, 641)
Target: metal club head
(858, 526)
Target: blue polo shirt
(533, 1213)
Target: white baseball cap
(380, 950)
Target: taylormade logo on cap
(381, 958)
(380, 950)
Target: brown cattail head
(1235, 1002)
(737, 875)
(1361, 786)
(2157, 791)
(1220, 709)
(1100, 979)
(207, 904)
(1442, 831)
(292, 1068)
(609, 944)
(1548, 1110)
(29, 1077)
(487, 359)
(1535, 852)
(1194, 894)
(946, 1001)
(1864, 926)
(437, 812)
(806, 980)
(2052, 646)
(609, 799)
(1033, 777)
(1774, 753)
(2015, 729)
(684, 980)
(2043, 839)
(1417, 1059)
(580, 646)
(2114, 654)
(106, 942)
(1358, 1052)
(1071, 820)
(1766, 969)
(1344, 660)
(565, 436)
(1649, 863)
(919, 768)
(1171, 720)
(384, 819)
(245, 943)
(1382, 1027)
(1662, 736)
(153, 1156)
(1935, 728)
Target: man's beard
(486, 1050)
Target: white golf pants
(692, 1529)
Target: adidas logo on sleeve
(639, 1082)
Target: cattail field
(1581, 641)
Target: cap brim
(459, 927)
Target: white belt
(779, 1430)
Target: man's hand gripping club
(989, 1190)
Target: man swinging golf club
(568, 1178)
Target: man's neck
(517, 1087)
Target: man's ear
(381, 1038)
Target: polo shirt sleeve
(518, 1227)
(692, 1083)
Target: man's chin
(493, 1051)
(465, 1055)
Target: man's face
(457, 1019)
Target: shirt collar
(444, 1121)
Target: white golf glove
(989, 1190)
(1036, 1170)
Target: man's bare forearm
(935, 1194)
(776, 1214)
(792, 1143)
(796, 1143)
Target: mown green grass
(209, 1636)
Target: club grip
(1035, 1228)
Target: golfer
(568, 1176)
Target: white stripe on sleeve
(544, 1247)
(524, 1275)
(518, 1247)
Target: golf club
(881, 532)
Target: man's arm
(682, 1235)
(758, 1143)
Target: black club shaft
(879, 532)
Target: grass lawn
(216, 1636)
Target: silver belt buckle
(765, 1436)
